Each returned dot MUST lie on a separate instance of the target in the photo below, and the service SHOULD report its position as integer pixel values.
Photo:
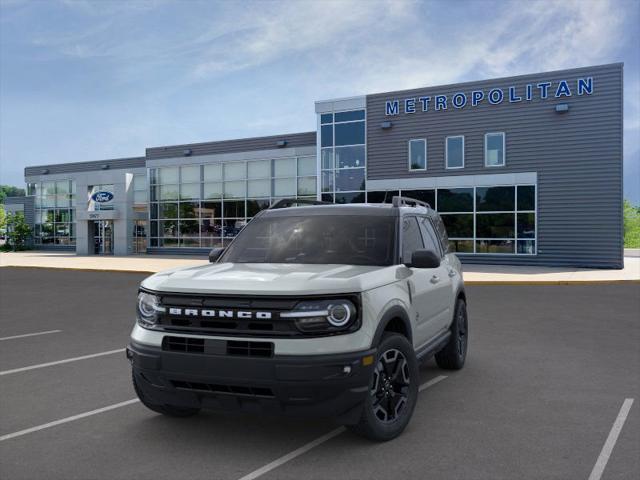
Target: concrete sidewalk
(473, 274)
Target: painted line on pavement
(29, 335)
(67, 420)
(607, 449)
(59, 362)
(318, 441)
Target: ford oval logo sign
(102, 197)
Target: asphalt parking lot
(548, 372)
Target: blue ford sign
(493, 96)
(102, 197)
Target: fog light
(368, 360)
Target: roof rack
(290, 202)
(398, 201)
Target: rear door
(424, 284)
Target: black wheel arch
(396, 319)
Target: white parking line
(607, 449)
(68, 419)
(30, 334)
(318, 441)
(66, 360)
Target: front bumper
(332, 385)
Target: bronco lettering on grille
(194, 312)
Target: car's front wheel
(393, 391)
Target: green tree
(3, 218)
(10, 191)
(631, 225)
(18, 231)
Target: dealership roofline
(490, 81)
(92, 165)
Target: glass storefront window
(168, 175)
(190, 174)
(349, 180)
(418, 154)
(222, 199)
(350, 157)
(455, 200)
(235, 171)
(495, 199)
(494, 144)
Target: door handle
(435, 279)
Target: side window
(429, 236)
(442, 233)
(411, 238)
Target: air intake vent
(249, 349)
(183, 344)
(228, 389)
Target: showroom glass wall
(481, 220)
(343, 156)
(207, 205)
(140, 207)
(54, 212)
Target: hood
(271, 279)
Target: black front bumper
(314, 385)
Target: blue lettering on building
(425, 103)
(459, 100)
(391, 107)
(512, 95)
(544, 89)
(563, 89)
(585, 85)
(441, 102)
(495, 96)
(410, 105)
(476, 97)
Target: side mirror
(424, 259)
(214, 254)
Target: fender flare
(395, 311)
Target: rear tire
(454, 353)
(169, 410)
(393, 391)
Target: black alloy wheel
(390, 389)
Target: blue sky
(88, 80)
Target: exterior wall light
(105, 166)
(281, 143)
(562, 108)
(44, 171)
(186, 152)
(386, 125)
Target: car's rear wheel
(169, 410)
(393, 391)
(454, 353)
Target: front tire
(454, 353)
(168, 410)
(393, 391)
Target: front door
(103, 237)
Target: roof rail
(290, 202)
(398, 201)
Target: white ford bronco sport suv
(313, 309)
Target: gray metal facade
(77, 167)
(290, 140)
(576, 155)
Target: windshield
(342, 239)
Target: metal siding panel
(577, 155)
(230, 146)
(114, 164)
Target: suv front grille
(228, 389)
(217, 347)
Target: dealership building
(524, 170)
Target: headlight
(323, 316)
(148, 309)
